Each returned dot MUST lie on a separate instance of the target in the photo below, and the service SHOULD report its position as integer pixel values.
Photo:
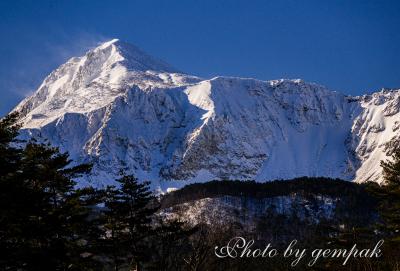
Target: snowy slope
(118, 108)
(376, 132)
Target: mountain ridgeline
(118, 108)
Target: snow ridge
(118, 107)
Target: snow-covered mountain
(118, 107)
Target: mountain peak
(130, 56)
(108, 43)
(96, 79)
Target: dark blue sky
(349, 46)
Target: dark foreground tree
(387, 226)
(43, 220)
(135, 235)
(389, 194)
(127, 221)
(388, 207)
(48, 224)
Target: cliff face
(118, 108)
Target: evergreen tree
(129, 213)
(10, 157)
(9, 154)
(43, 221)
(389, 195)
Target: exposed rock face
(120, 108)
